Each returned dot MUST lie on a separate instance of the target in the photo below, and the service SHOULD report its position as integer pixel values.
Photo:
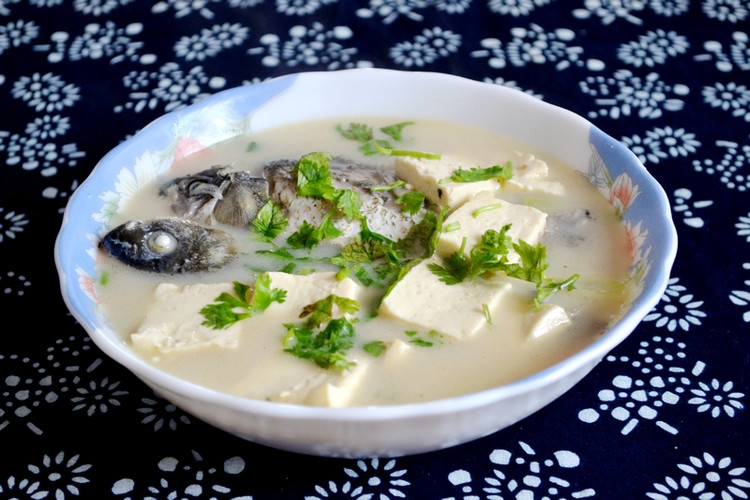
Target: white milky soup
(415, 337)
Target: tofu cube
(425, 175)
(550, 318)
(337, 390)
(173, 322)
(421, 300)
(527, 223)
(532, 174)
(302, 290)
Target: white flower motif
(97, 397)
(669, 8)
(390, 10)
(704, 478)
(98, 7)
(190, 478)
(24, 488)
(731, 166)
(742, 297)
(733, 11)
(210, 41)
(46, 92)
(48, 127)
(60, 475)
(15, 34)
(515, 8)
(184, 8)
(682, 206)
(162, 414)
(412, 54)
(625, 93)
(729, 97)
(11, 224)
(383, 477)
(611, 10)
(316, 45)
(20, 281)
(300, 7)
(679, 310)
(715, 397)
(453, 6)
(524, 474)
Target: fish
(169, 245)
(217, 195)
(383, 215)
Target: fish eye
(162, 242)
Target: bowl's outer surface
(374, 431)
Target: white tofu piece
(420, 299)
(527, 223)
(287, 379)
(532, 174)
(339, 389)
(550, 318)
(173, 323)
(302, 290)
(425, 175)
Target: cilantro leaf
(270, 221)
(322, 311)
(356, 132)
(326, 345)
(412, 202)
(314, 176)
(394, 131)
(348, 201)
(500, 172)
(375, 348)
(309, 236)
(228, 309)
(370, 145)
(326, 348)
(491, 255)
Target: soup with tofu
(363, 262)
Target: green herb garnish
(412, 202)
(491, 255)
(229, 309)
(375, 348)
(323, 338)
(476, 174)
(270, 221)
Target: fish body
(383, 214)
(217, 195)
(170, 245)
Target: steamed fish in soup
(373, 264)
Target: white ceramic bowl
(365, 431)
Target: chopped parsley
(364, 134)
(491, 255)
(411, 202)
(476, 174)
(270, 221)
(309, 236)
(422, 341)
(228, 309)
(375, 348)
(323, 338)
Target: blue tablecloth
(663, 417)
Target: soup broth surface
(429, 365)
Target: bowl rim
(592, 353)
